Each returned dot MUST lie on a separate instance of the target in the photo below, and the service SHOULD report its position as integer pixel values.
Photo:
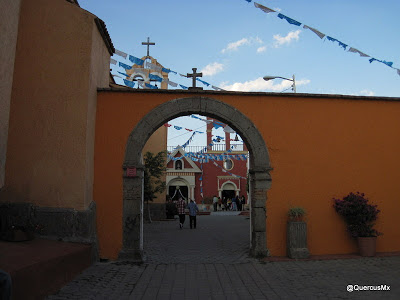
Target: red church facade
(219, 169)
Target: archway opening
(259, 166)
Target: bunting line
(322, 36)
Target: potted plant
(296, 242)
(296, 214)
(360, 217)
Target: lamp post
(266, 78)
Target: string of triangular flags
(216, 125)
(322, 36)
(206, 157)
(149, 65)
(180, 128)
(206, 160)
(201, 180)
(187, 142)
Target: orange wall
(320, 147)
(157, 143)
(60, 62)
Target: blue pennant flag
(136, 60)
(388, 63)
(290, 21)
(168, 71)
(184, 87)
(123, 74)
(216, 126)
(125, 66)
(335, 40)
(151, 86)
(177, 127)
(203, 82)
(155, 77)
(129, 83)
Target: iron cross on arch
(194, 76)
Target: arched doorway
(260, 179)
(229, 190)
(177, 188)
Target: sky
(234, 44)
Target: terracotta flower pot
(367, 246)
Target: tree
(154, 169)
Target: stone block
(297, 240)
(258, 219)
(258, 244)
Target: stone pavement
(211, 262)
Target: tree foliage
(154, 169)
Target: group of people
(193, 210)
(235, 203)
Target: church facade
(200, 173)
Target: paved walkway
(205, 263)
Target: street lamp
(266, 78)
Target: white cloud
(260, 85)
(235, 45)
(212, 69)
(244, 41)
(367, 93)
(261, 49)
(292, 35)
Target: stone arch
(260, 179)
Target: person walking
(181, 205)
(193, 210)
(215, 203)
(242, 201)
(234, 203)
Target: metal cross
(194, 76)
(148, 44)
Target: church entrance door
(228, 194)
(175, 192)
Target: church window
(228, 164)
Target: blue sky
(235, 44)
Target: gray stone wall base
(298, 253)
(157, 211)
(61, 224)
(132, 255)
(297, 240)
(258, 244)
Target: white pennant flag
(354, 50)
(263, 8)
(320, 34)
(228, 129)
(113, 61)
(171, 83)
(120, 53)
